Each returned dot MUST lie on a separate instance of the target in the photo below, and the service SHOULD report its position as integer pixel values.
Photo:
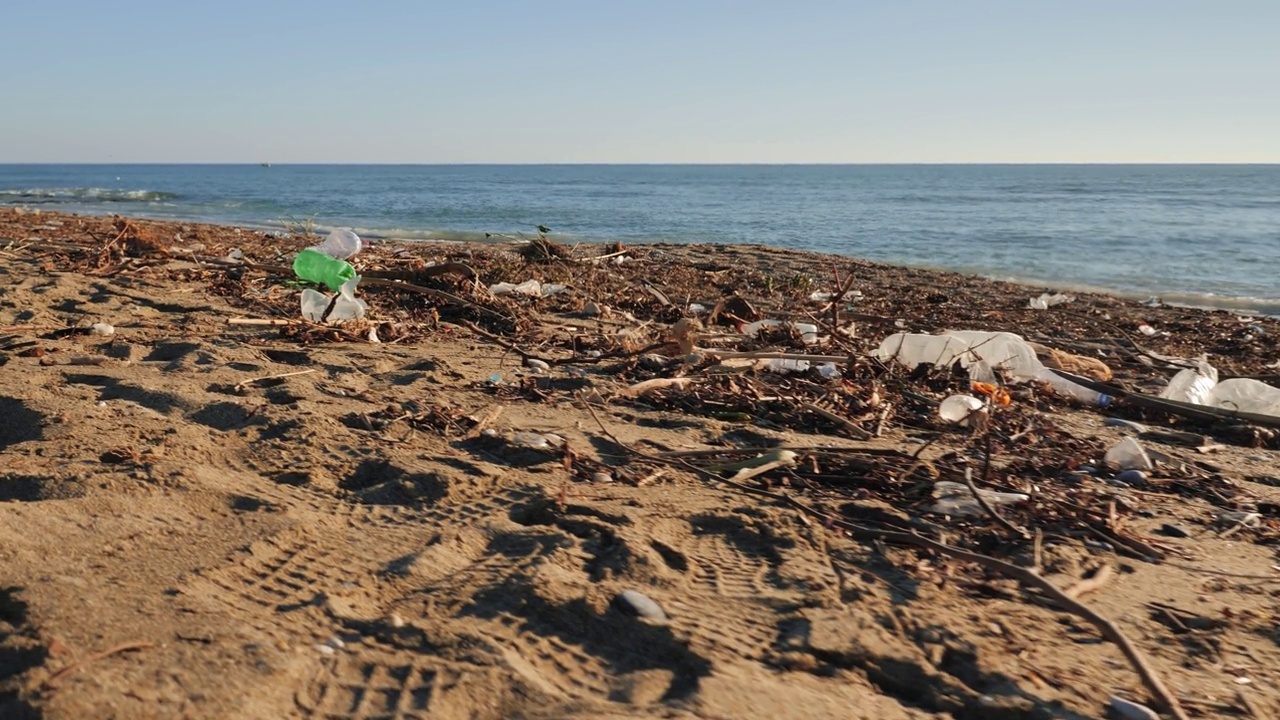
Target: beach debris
(1047, 300)
(315, 266)
(1192, 385)
(958, 409)
(530, 440)
(637, 604)
(1128, 454)
(1137, 427)
(593, 309)
(1092, 368)
(341, 244)
(532, 288)
(808, 331)
(645, 387)
(684, 333)
(1128, 710)
(1245, 395)
(102, 330)
(1173, 530)
(537, 365)
(957, 499)
(786, 365)
(321, 307)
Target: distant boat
(265, 164)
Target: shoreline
(1245, 306)
(1240, 304)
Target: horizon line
(660, 164)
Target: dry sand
(179, 539)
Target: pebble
(1132, 477)
(591, 309)
(634, 602)
(102, 329)
(1171, 530)
(538, 365)
(601, 477)
(325, 649)
(335, 643)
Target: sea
(1198, 235)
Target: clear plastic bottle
(1063, 386)
(341, 244)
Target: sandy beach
(220, 511)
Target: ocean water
(1192, 234)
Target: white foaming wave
(1242, 304)
(74, 194)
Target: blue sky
(653, 81)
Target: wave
(36, 196)
(423, 235)
(1239, 304)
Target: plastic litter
(956, 499)
(829, 371)
(535, 441)
(782, 365)
(1046, 301)
(958, 408)
(314, 266)
(1127, 710)
(532, 288)
(1126, 424)
(1192, 385)
(985, 355)
(537, 365)
(346, 307)
(1128, 455)
(341, 244)
(1245, 395)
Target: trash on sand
(314, 266)
(1128, 455)
(532, 288)
(1245, 395)
(1126, 424)
(957, 408)
(341, 244)
(1147, 330)
(1127, 710)
(1192, 385)
(1075, 364)
(102, 329)
(985, 355)
(829, 371)
(537, 365)
(647, 386)
(786, 365)
(956, 499)
(346, 306)
(1046, 301)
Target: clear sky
(426, 81)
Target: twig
(1100, 578)
(1026, 577)
(843, 422)
(77, 665)
(772, 355)
(986, 479)
(260, 321)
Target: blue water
(1196, 234)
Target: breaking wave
(38, 196)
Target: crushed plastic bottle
(341, 244)
(956, 499)
(346, 307)
(314, 266)
(1192, 385)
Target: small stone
(591, 309)
(335, 643)
(395, 620)
(324, 649)
(634, 602)
(1171, 530)
(601, 477)
(1132, 477)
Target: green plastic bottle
(315, 266)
